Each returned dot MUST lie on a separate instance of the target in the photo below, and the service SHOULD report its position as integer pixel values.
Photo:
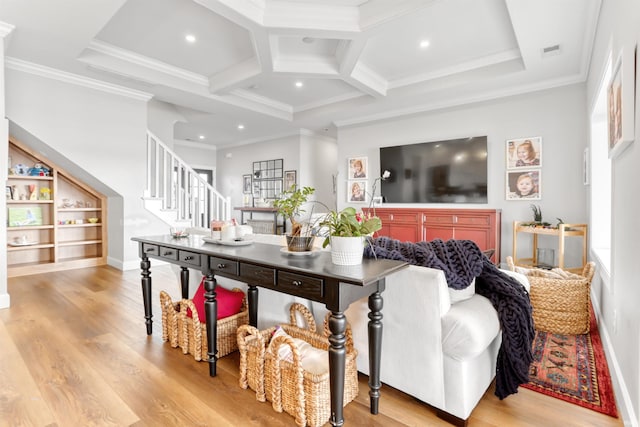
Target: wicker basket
(260, 226)
(560, 306)
(191, 335)
(300, 393)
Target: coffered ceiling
(259, 69)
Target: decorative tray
(240, 241)
(286, 251)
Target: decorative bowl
(92, 220)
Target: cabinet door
(438, 232)
(405, 232)
(479, 236)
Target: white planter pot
(346, 250)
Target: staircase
(176, 194)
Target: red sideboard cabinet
(415, 224)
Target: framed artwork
(524, 153)
(357, 191)
(289, 179)
(524, 184)
(358, 168)
(246, 184)
(620, 102)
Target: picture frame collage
(523, 168)
(358, 182)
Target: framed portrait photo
(246, 184)
(524, 153)
(620, 102)
(358, 168)
(357, 191)
(289, 179)
(524, 184)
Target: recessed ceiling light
(424, 44)
(190, 38)
(240, 126)
(201, 136)
(299, 84)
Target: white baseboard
(5, 301)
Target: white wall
(4, 148)
(103, 132)
(619, 28)
(558, 116)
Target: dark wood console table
(262, 265)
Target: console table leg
(253, 305)
(184, 282)
(375, 349)
(145, 266)
(211, 315)
(337, 356)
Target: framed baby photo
(524, 184)
(356, 191)
(524, 153)
(358, 168)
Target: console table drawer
(255, 274)
(168, 253)
(190, 258)
(302, 286)
(148, 249)
(223, 265)
(439, 219)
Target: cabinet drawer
(473, 220)
(168, 253)
(254, 274)
(148, 249)
(223, 265)
(302, 286)
(190, 258)
(439, 219)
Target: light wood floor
(74, 352)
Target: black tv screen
(451, 171)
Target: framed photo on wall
(289, 179)
(358, 168)
(524, 153)
(357, 191)
(620, 102)
(246, 184)
(524, 184)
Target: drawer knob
(150, 250)
(297, 283)
(167, 253)
(221, 266)
(188, 258)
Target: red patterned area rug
(573, 368)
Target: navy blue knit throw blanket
(461, 261)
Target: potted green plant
(346, 232)
(290, 206)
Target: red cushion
(229, 302)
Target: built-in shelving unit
(49, 216)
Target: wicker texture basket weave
(560, 306)
(300, 393)
(190, 334)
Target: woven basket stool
(190, 334)
(300, 393)
(560, 305)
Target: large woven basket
(190, 334)
(300, 393)
(560, 306)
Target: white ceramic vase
(346, 250)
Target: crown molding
(5, 29)
(75, 79)
(143, 61)
(197, 145)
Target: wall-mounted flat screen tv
(451, 171)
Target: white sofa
(438, 351)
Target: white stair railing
(183, 194)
